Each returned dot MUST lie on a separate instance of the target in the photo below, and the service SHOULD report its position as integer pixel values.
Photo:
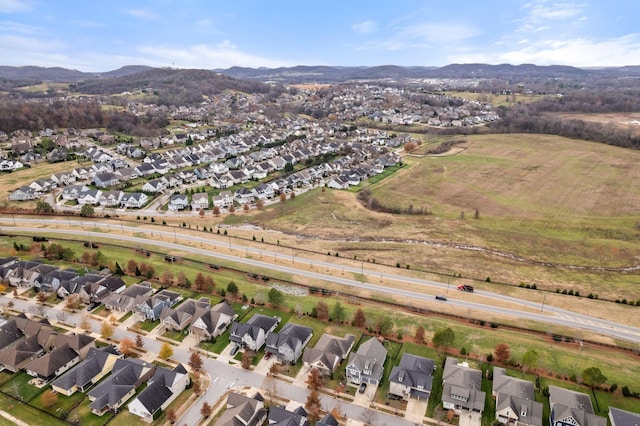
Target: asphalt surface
(224, 376)
(547, 314)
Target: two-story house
(366, 365)
(252, 334)
(288, 344)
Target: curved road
(554, 316)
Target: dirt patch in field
(629, 120)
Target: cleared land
(541, 200)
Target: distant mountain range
(329, 74)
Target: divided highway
(551, 315)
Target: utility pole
(544, 297)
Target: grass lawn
(63, 406)
(27, 413)
(176, 335)
(125, 317)
(218, 344)
(148, 325)
(83, 415)
(19, 387)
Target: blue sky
(101, 35)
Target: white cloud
(579, 52)
(223, 55)
(145, 14)
(364, 27)
(14, 6)
(544, 11)
(11, 27)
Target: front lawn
(176, 335)
(148, 325)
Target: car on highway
(467, 288)
(441, 298)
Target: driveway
(416, 409)
(364, 399)
(469, 419)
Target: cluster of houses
(72, 363)
(92, 287)
(250, 410)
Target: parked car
(362, 388)
(442, 298)
(234, 350)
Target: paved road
(551, 315)
(224, 376)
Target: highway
(533, 312)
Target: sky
(102, 35)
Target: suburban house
(252, 334)
(281, 416)
(161, 390)
(413, 378)
(327, 420)
(22, 277)
(243, 410)
(571, 408)
(97, 364)
(74, 192)
(68, 350)
(289, 343)
(366, 365)
(620, 417)
(212, 322)
(461, 387)
(203, 320)
(24, 193)
(154, 186)
(51, 281)
(178, 202)
(199, 201)
(91, 197)
(328, 352)
(515, 400)
(105, 180)
(124, 302)
(133, 200)
(149, 308)
(111, 198)
(223, 200)
(53, 363)
(126, 375)
(22, 340)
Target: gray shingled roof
(620, 417)
(458, 378)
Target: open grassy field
(497, 100)
(540, 200)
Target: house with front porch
(288, 344)
(328, 353)
(413, 378)
(162, 389)
(571, 408)
(252, 334)
(515, 400)
(461, 387)
(366, 365)
(97, 364)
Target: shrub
(490, 357)
(613, 387)
(534, 287)
(626, 391)
(488, 279)
(463, 351)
